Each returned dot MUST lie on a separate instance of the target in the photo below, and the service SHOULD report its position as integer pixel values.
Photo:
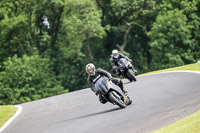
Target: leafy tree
(48, 14)
(15, 37)
(26, 79)
(81, 25)
(171, 40)
(78, 28)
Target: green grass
(6, 112)
(192, 67)
(189, 124)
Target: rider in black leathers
(94, 74)
(114, 61)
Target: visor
(90, 70)
(115, 54)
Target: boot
(117, 72)
(122, 87)
(125, 92)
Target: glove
(115, 67)
(110, 79)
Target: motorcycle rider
(94, 74)
(115, 57)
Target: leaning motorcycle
(126, 68)
(111, 92)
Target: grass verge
(192, 67)
(189, 124)
(6, 112)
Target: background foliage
(45, 44)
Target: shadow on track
(93, 114)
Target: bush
(26, 79)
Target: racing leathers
(98, 73)
(114, 63)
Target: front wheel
(131, 75)
(115, 98)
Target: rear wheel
(115, 98)
(131, 75)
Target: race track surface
(157, 101)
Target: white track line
(19, 110)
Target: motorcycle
(111, 92)
(126, 68)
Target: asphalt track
(157, 101)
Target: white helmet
(115, 53)
(90, 69)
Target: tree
(81, 25)
(78, 27)
(171, 40)
(15, 37)
(26, 79)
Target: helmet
(90, 69)
(115, 53)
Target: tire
(114, 97)
(131, 75)
(130, 102)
